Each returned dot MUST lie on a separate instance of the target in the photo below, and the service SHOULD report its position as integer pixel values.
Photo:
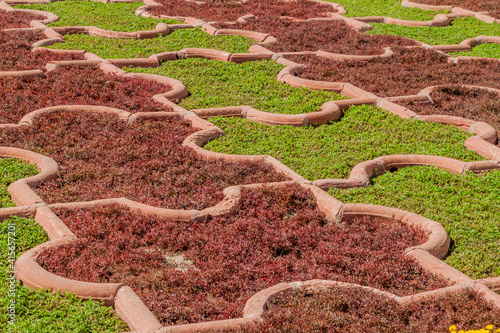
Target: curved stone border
(440, 20)
(362, 173)
(457, 11)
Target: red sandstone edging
(160, 29)
(329, 111)
(362, 173)
(458, 11)
(440, 20)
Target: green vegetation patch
(213, 83)
(111, 16)
(483, 50)
(10, 171)
(389, 8)
(331, 151)
(468, 206)
(39, 310)
(109, 48)
(460, 29)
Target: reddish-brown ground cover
(231, 10)
(16, 55)
(17, 19)
(475, 104)
(490, 6)
(278, 235)
(332, 36)
(356, 310)
(406, 73)
(76, 86)
(102, 157)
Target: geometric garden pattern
(178, 238)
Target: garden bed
(16, 55)
(38, 310)
(77, 86)
(330, 36)
(470, 103)
(341, 309)
(490, 6)
(232, 10)
(17, 19)
(102, 157)
(206, 270)
(405, 73)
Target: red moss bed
(103, 157)
(332, 36)
(77, 86)
(490, 6)
(232, 10)
(340, 309)
(16, 19)
(406, 73)
(278, 235)
(475, 104)
(16, 55)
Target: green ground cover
(213, 83)
(389, 8)
(458, 31)
(111, 16)
(108, 48)
(468, 206)
(483, 50)
(331, 151)
(38, 310)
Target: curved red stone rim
(456, 11)
(362, 173)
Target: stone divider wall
(458, 11)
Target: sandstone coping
(362, 173)
(329, 111)
(160, 29)
(440, 20)
(458, 11)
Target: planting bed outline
(126, 303)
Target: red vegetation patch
(490, 6)
(232, 10)
(406, 73)
(278, 235)
(475, 104)
(16, 55)
(331, 36)
(102, 157)
(77, 86)
(354, 310)
(16, 19)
